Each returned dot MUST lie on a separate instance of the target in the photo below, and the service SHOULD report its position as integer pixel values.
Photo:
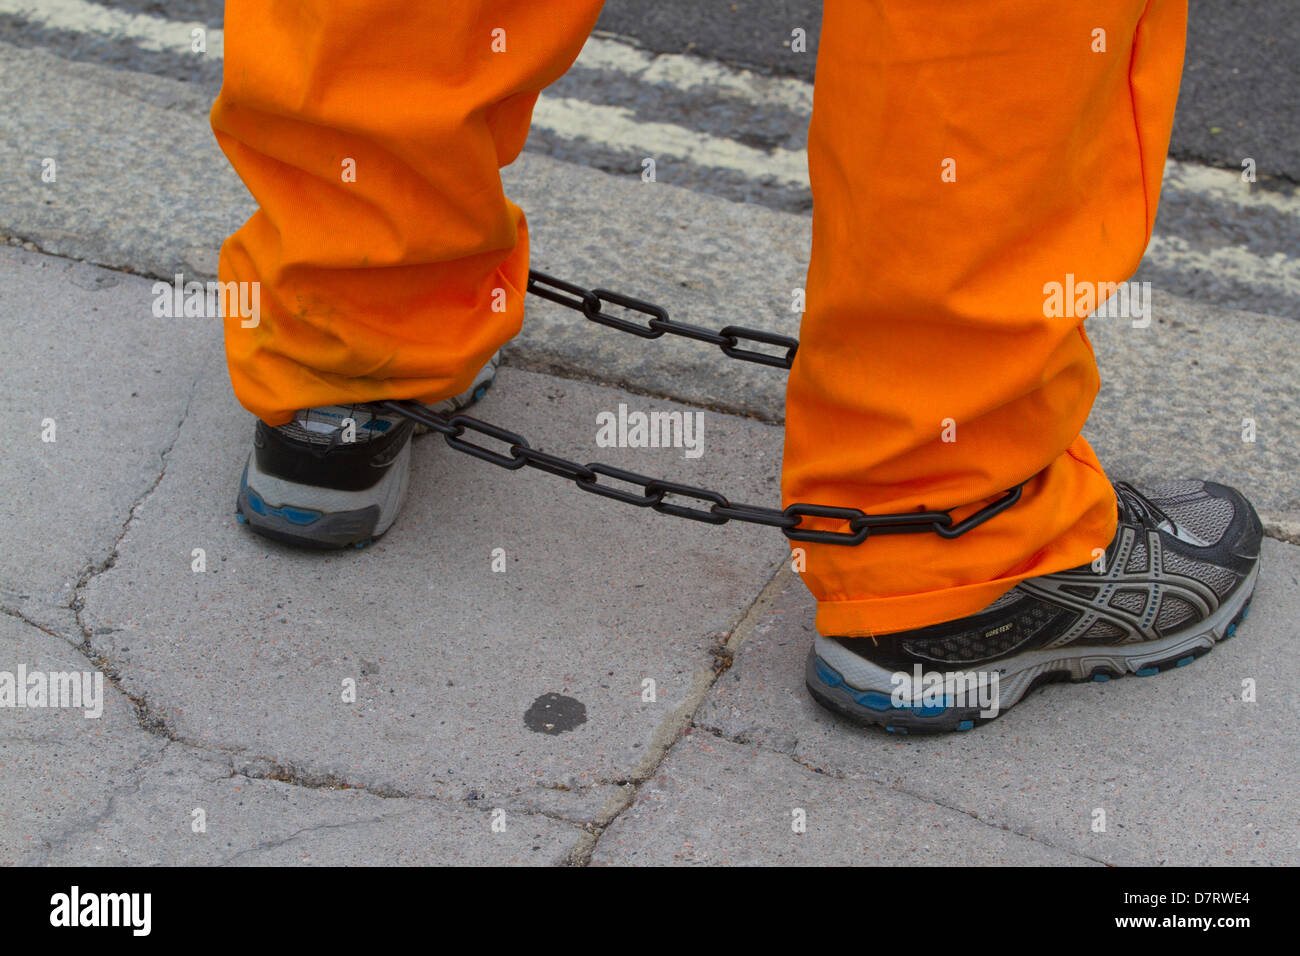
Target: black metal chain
(589, 301)
(652, 491)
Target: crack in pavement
(134, 785)
(20, 616)
(276, 844)
(928, 799)
(93, 570)
(679, 722)
(148, 719)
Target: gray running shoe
(320, 482)
(1177, 579)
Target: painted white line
(618, 128)
(612, 127)
(1277, 272)
(696, 74)
(1225, 186)
(147, 32)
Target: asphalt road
(1241, 84)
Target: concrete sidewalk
(504, 717)
(515, 698)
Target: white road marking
(689, 73)
(147, 32)
(1225, 185)
(1276, 272)
(619, 128)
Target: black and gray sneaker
(1177, 579)
(335, 476)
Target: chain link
(653, 491)
(590, 301)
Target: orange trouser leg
(402, 283)
(926, 297)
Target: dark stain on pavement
(554, 714)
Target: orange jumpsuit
(963, 155)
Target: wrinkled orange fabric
(925, 295)
(925, 302)
(382, 287)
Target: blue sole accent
(1184, 661)
(827, 675)
(874, 699)
(966, 725)
(1147, 671)
(1101, 678)
(298, 516)
(935, 708)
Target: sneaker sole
(308, 516)
(842, 682)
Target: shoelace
(364, 428)
(1135, 506)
